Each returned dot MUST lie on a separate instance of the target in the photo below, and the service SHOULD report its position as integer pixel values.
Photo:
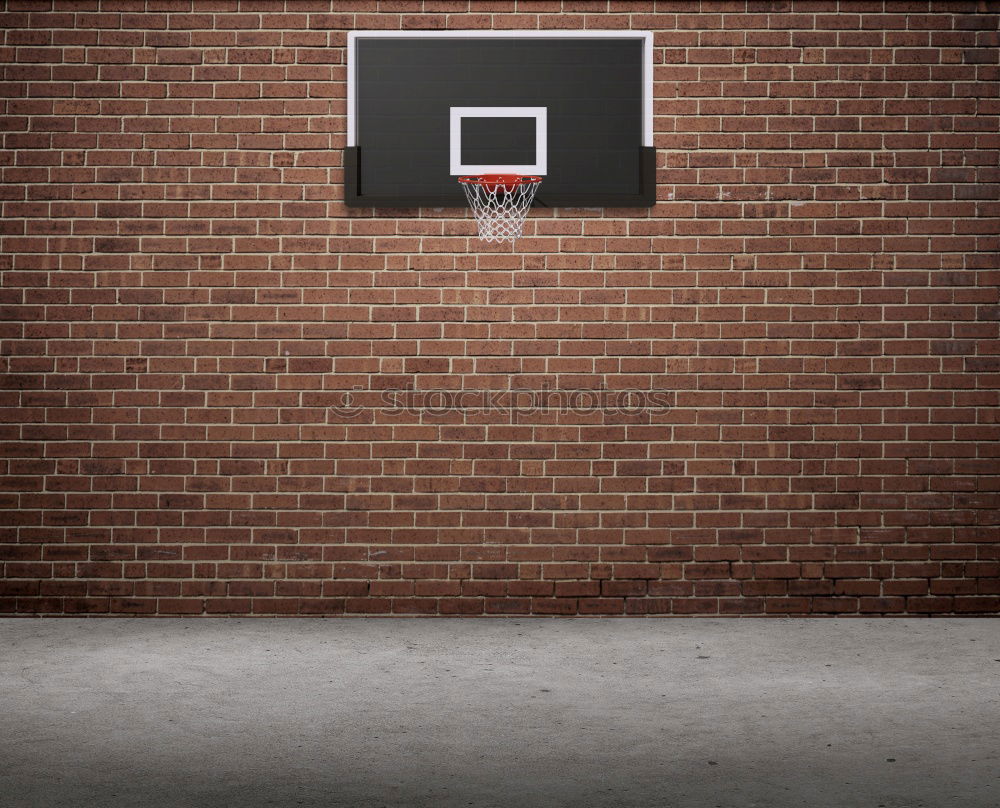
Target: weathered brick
(224, 392)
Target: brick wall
(807, 322)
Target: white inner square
(455, 142)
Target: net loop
(500, 203)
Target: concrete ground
(500, 712)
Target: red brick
(184, 299)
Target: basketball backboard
(424, 107)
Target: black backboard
(427, 106)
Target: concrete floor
(500, 712)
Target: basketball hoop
(500, 203)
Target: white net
(500, 204)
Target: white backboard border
(647, 62)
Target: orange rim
(492, 181)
